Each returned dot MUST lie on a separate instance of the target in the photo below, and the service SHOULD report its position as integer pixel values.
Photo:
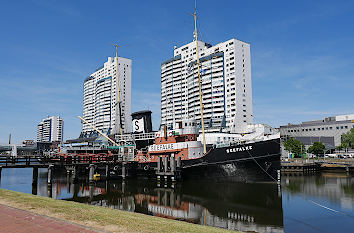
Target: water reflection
(298, 205)
(337, 188)
(318, 203)
(235, 206)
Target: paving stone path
(15, 220)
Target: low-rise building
(329, 127)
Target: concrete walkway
(15, 220)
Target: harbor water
(322, 202)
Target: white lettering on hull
(238, 149)
(161, 147)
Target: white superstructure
(50, 129)
(226, 85)
(253, 133)
(100, 96)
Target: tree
(348, 139)
(317, 148)
(345, 146)
(294, 146)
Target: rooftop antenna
(118, 127)
(199, 78)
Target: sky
(301, 55)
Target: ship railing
(220, 145)
(124, 137)
(144, 136)
(135, 137)
(84, 148)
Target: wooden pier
(74, 165)
(94, 167)
(316, 166)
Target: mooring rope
(261, 166)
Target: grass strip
(101, 218)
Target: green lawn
(101, 218)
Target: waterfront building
(328, 130)
(50, 129)
(226, 85)
(100, 97)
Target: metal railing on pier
(44, 161)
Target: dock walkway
(316, 165)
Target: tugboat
(255, 160)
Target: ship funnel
(142, 121)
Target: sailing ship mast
(199, 78)
(118, 103)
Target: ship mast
(118, 103)
(199, 78)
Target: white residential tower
(100, 97)
(226, 85)
(50, 129)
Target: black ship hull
(252, 162)
(249, 162)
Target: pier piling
(50, 173)
(75, 174)
(107, 172)
(173, 165)
(159, 162)
(179, 162)
(124, 171)
(165, 163)
(91, 172)
(35, 176)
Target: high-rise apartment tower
(100, 97)
(50, 129)
(226, 85)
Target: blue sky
(302, 54)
